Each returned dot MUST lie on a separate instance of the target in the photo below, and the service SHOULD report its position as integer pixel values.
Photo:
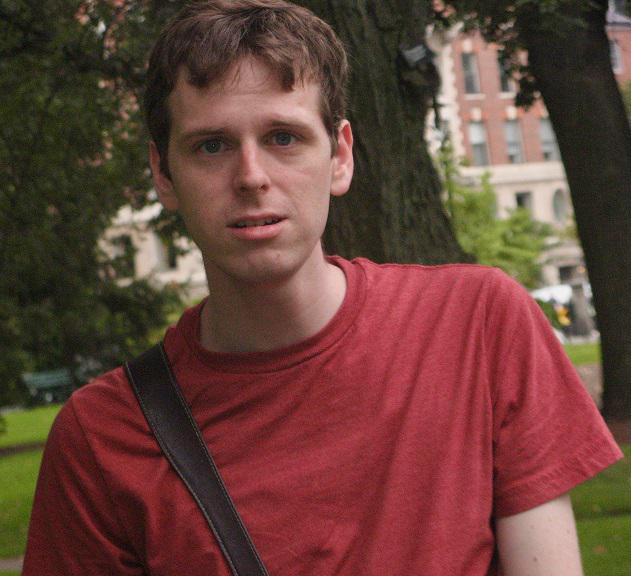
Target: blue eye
(212, 146)
(283, 138)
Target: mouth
(255, 223)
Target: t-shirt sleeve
(74, 529)
(548, 435)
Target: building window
(524, 200)
(479, 148)
(506, 82)
(616, 56)
(514, 148)
(620, 6)
(471, 76)
(560, 205)
(549, 147)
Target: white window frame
(478, 140)
(548, 141)
(514, 141)
(471, 73)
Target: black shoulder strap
(181, 441)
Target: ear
(342, 161)
(161, 182)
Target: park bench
(49, 386)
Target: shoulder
(108, 393)
(439, 273)
(103, 411)
(467, 284)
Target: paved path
(11, 564)
(19, 448)
(591, 375)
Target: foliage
(569, 64)
(548, 309)
(71, 153)
(502, 22)
(513, 244)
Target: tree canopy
(513, 243)
(72, 151)
(569, 65)
(70, 156)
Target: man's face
(251, 172)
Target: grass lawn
(18, 474)
(602, 505)
(607, 494)
(603, 513)
(28, 425)
(606, 545)
(583, 353)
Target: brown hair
(208, 37)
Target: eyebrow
(279, 122)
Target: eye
(283, 138)
(213, 146)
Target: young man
(373, 420)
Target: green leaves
(513, 243)
(504, 22)
(72, 152)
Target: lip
(254, 217)
(256, 226)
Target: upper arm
(541, 541)
(74, 529)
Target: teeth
(251, 223)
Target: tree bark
(393, 211)
(573, 72)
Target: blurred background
(495, 133)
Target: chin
(256, 271)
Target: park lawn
(580, 354)
(603, 516)
(18, 475)
(602, 505)
(26, 426)
(605, 545)
(608, 494)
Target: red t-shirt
(435, 400)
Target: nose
(251, 174)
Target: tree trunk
(574, 75)
(393, 211)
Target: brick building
(517, 147)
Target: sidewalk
(11, 564)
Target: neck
(270, 316)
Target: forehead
(249, 88)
